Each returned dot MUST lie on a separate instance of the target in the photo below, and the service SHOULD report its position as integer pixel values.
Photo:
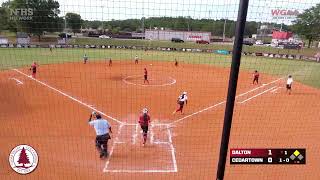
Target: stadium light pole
(233, 80)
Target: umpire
(102, 128)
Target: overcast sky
(259, 10)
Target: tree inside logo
(23, 159)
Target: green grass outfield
(309, 72)
(213, 46)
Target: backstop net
(65, 62)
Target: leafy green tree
(44, 15)
(307, 24)
(74, 22)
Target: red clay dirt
(56, 126)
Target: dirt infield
(50, 113)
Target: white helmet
(185, 93)
(144, 110)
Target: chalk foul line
(257, 95)
(68, 96)
(222, 102)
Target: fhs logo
(23, 159)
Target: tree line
(45, 18)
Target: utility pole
(65, 29)
(224, 30)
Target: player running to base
(102, 128)
(145, 76)
(182, 99)
(144, 121)
(33, 69)
(289, 83)
(256, 77)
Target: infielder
(136, 59)
(102, 128)
(33, 69)
(182, 99)
(110, 62)
(176, 62)
(144, 121)
(289, 84)
(145, 76)
(256, 77)
(85, 59)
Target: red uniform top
(145, 72)
(34, 67)
(144, 120)
(256, 75)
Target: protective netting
(62, 60)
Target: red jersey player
(145, 76)
(144, 121)
(256, 77)
(33, 68)
(176, 62)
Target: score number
(270, 159)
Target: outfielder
(144, 121)
(182, 99)
(102, 128)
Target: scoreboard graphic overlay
(267, 156)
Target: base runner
(182, 99)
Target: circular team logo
(23, 159)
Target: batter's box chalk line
(156, 168)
